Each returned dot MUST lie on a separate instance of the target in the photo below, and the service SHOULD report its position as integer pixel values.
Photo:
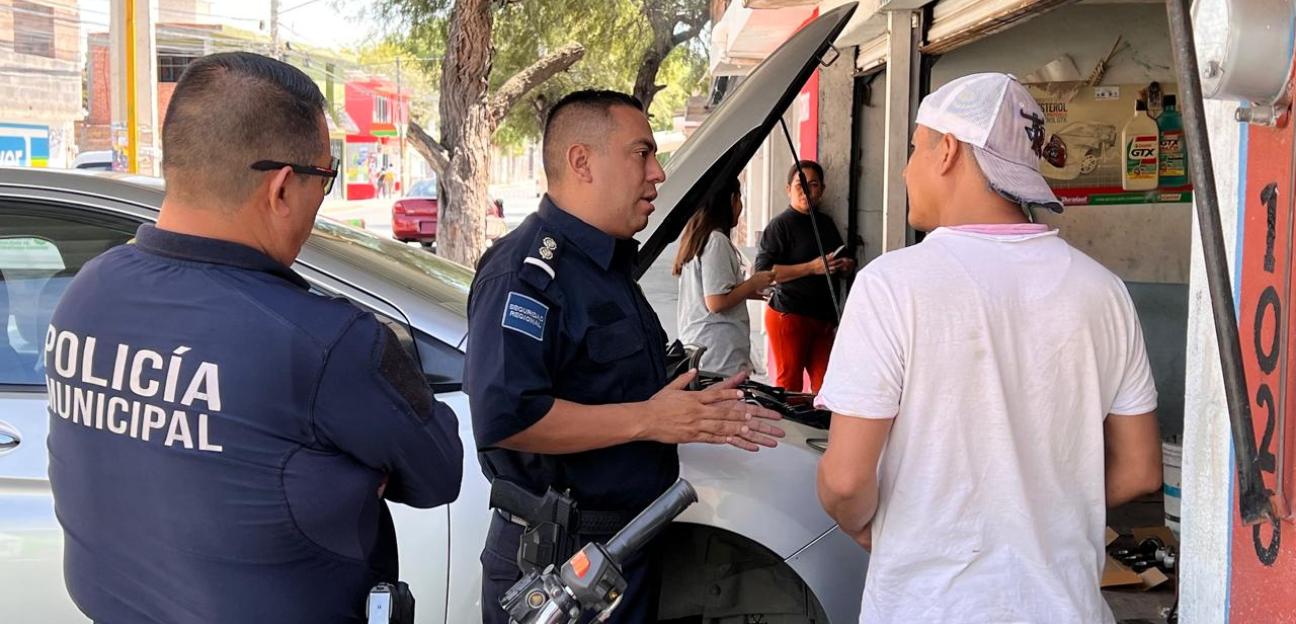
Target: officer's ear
(578, 160)
(277, 192)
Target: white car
(100, 160)
(756, 547)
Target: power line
(191, 38)
(294, 8)
(174, 12)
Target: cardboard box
(1117, 574)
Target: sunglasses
(329, 175)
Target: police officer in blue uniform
(566, 368)
(221, 438)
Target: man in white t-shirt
(990, 388)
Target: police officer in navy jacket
(566, 369)
(222, 439)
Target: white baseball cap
(1004, 125)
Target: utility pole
(133, 62)
(274, 30)
(132, 120)
(402, 120)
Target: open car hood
(734, 130)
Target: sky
(321, 23)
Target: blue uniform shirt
(555, 313)
(218, 436)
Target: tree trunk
(540, 107)
(646, 87)
(665, 23)
(469, 117)
(663, 26)
(466, 127)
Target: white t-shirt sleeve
(1136, 393)
(866, 369)
(720, 272)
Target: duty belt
(588, 522)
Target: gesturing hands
(716, 415)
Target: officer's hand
(760, 432)
(716, 415)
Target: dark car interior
(40, 253)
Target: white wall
(1086, 32)
(1208, 459)
(870, 178)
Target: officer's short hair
(230, 110)
(582, 116)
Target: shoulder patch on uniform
(400, 370)
(525, 315)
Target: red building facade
(373, 163)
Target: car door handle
(9, 437)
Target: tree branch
(435, 153)
(685, 35)
(515, 88)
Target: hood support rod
(814, 223)
(1253, 498)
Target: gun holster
(551, 522)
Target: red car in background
(414, 217)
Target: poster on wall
(1113, 144)
(362, 163)
(24, 145)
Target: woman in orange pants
(801, 319)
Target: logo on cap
(1035, 132)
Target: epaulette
(539, 266)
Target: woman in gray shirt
(714, 289)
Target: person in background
(714, 289)
(801, 318)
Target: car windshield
(423, 188)
(436, 279)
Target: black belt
(588, 521)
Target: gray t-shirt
(726, 335)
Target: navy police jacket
(219, 435)
(555, 313)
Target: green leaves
(615, 33)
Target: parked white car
(98, 160)
(757, 547)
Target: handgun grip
(515, 499)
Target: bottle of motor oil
(1173, 168)
(1142, 142)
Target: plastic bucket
(1172, 460)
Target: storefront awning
(383, 130)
